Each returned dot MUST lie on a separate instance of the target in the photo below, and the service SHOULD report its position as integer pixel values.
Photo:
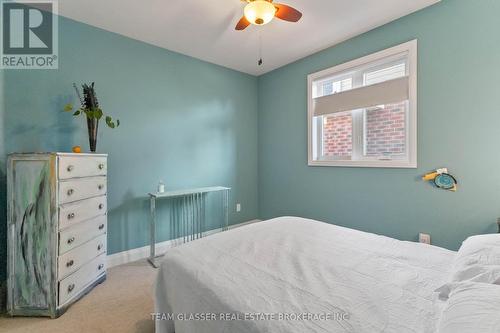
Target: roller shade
(386, 92)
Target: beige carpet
(122, 303)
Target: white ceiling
(204, 29)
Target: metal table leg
(187, 217)
(152, 232)
(225, 210)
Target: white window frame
(411, 144)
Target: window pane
(329, 87)
(385, 130)
(376, 72)
(337, 135)
(386, 73)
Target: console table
(187, 214)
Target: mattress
(291, 274)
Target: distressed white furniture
(187, 218)
(57, 221)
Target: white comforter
(293, 265)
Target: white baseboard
(124, 257)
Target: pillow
(477, 260)
(471, 308)
(479, 250)
(481, 274)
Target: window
(364, 113)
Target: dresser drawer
(76, 258)
(80, 233)
(81, 188)
(82, 166)
(88, 273)
(72, 213)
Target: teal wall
(191, 123)
(458, 128)
(185, 121)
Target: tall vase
(92, 125)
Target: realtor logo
(29, 35)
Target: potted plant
(89, 106)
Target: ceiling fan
(260, 12)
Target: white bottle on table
(161, 187)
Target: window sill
(365, 164)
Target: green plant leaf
(110, 123)
(77, 113)
(98, 114)
(117, 122)
(88, 113)
(68, 107)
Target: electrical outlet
(424, 238)
(238, 207)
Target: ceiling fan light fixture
(259, 12)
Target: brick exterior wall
(337, 135)
(385, 132)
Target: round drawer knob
(71, 240)
(101, 206)
(101, 166)
(70, 168)
(101, 266)
(70, 263)
(71, 287)
(100, 186)
(71, 216)
(101, 226)
(99, 247)
(70, 191)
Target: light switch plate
(424, 238)
(238, 207)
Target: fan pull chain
(260, 50)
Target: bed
(269, 276)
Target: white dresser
(57, 221)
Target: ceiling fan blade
(287, 13)
(242, 24)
